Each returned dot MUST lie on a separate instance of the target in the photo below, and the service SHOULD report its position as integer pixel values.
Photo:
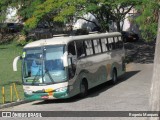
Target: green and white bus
(62, 67)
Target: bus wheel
(83, 89)
(114, 76)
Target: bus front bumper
(40, 95)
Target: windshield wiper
(49, 75)
(36, 76)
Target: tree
(107, 11)
(119, 10)
(104, 11)
(3, 13)
(43, 12)
(148, 19)
(149, 25)
(155, 86)
(3, 10)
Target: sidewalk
(7, 105)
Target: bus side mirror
(15, 62)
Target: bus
(62, 67)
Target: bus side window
(71, 48)
(116, 43)
(104, 42)
(89, 49)
(97, 46)
(120, 42)
(109, 44)
(113, 44)
(80, 49)
(103, 45)
(71, 60)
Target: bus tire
(83, 88)
(114, 76)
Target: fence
(9, 93)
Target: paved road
(131, 93)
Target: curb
(14, 104)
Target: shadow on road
(92, 92)
(103, 87)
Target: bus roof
(65, 40)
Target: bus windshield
(44, 65)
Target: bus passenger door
(72, 60)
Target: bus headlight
(29, 92)
(61, 89)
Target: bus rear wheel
(83, 89)
(114, 76)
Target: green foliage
(107, 11)
(31, 23)
(7, 76)
(47, 11)
(148, 20)
(3, 10)
(23, 42)
(27, 7)
(64, 11)
(36, 11)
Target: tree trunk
(118, 26)
(155, 86)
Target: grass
(7, 76)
